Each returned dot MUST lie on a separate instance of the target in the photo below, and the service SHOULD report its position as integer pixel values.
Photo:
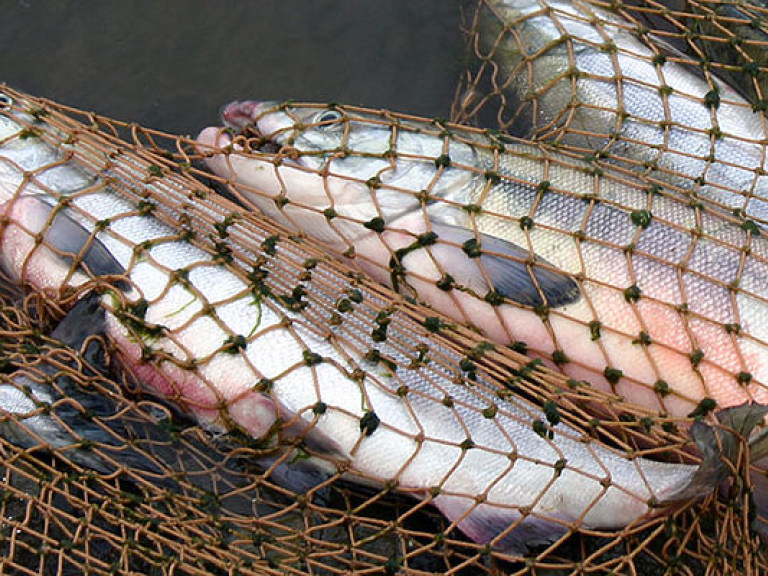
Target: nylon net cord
(629, 84)
(551, 383)
(240, 518)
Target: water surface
(171, 65)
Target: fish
(602, 275)
(212, 331)
(64, 405)
(40, 413)
(729, 37)
(579, 76)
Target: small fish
(574, 74)
(73, 423)
(636, 291)
(209, 338)
(48, 406)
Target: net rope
(208, 497)
(673, 90)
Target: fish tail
(738, 434)
(758, 481)
(738, 424)
(758, 497)
(722, 449)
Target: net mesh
(138, 484)
(673, 90)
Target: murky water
(171, 65)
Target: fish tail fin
(722, 449)
(758, 479)
(742, 447)
(715, 445)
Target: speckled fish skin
(481, 468)
(588, 80)
(670, 303)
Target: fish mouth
(242, 117)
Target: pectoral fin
(66, 235)
(508, 267)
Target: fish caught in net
(629, 287)
(71, 233)
(325, 339)
(639, 86)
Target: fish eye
(326, 117)
(5, 101)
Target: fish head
(8, 106)
(313, 135)
(340, 139)
(17, 117)
(7, 126)
(357, 165)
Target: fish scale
(606, 275)
(272, 366)
(579, 75)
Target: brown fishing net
(674, 90)
(135, 484)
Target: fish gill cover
(245, 400)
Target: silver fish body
(587, 79)
(204, 336)
(654, 297)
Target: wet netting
(673, 90)
(326, 340)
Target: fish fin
(739, 423)
(314, 439)
(711, 471)
(719, 446)
(759, 497)
(73, 416)
(743, 418)
(85, 319)
(484, 523)
(296, 474)
(69, 237)
(758, 446)
(506, 265)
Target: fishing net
(674, 90)
(210, 503)
(157, 492)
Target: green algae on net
(426, 546)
